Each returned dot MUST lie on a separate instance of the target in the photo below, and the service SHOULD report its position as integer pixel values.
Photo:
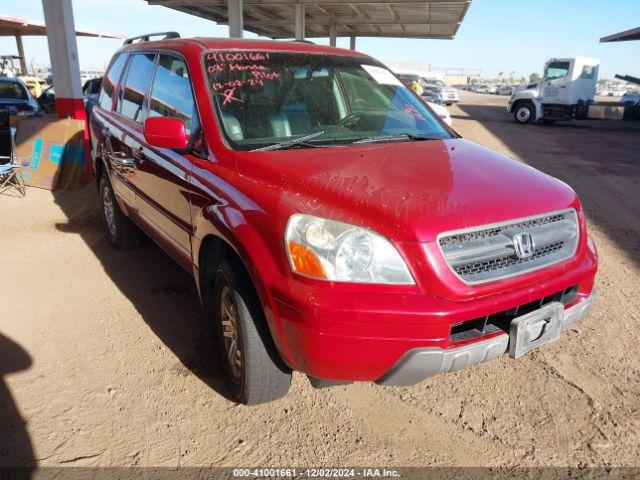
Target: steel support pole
(23, 60)
(333, 31)
(235, 18)
(63, 52)
(299, 21)
(65, 66)
(352, 43)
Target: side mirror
(165, 132)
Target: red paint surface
(165, 132)
(409, 192)
(74, 108)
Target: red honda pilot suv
(332, 223)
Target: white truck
(565, 92)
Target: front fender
(230, 225)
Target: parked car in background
(505, 90)
(433, 98)
(448, 95)
(35, 85)
(15, 99)
(47, 100)
(442, 112)
(481, 88)
(411, 81)
(492, 89)
(332, 223)
(90, 94)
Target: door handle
(139, 155)
(122, 161)
(563, 86)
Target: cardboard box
(50, 150)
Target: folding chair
(10, 173)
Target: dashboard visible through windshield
(263, 99)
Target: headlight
(336, 251)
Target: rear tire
(524, 113)
(121, 232)
(253, 369)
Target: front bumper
(421, 363)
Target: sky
(495, 36)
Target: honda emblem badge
(523, 245)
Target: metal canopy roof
(372, 18)
(11, 26)
(633, 34)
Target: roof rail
(145, 38)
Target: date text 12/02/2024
(315, 473)
(235, 62)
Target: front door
(163, 174)
(556, 83)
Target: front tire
(254, 372)
(121, 232)
(524, 113)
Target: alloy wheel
(230, 331)
(108, 211)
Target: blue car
(15, 99)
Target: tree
(534, 77)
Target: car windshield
(265, 98)
(436, 83)
(12, 91)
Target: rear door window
(111, 80)
(171, 94)
(588, 72)
(135, 85)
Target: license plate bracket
(535, 329)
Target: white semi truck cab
(566, 91)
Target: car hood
(408, 191)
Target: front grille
(483, 254)
(501, 321)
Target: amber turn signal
(305, 261)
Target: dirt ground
(106, 360)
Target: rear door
(162, 175)
(104, 127)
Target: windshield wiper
(288, 143)
(394, 138)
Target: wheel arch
(216, 239)
(520, 101)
